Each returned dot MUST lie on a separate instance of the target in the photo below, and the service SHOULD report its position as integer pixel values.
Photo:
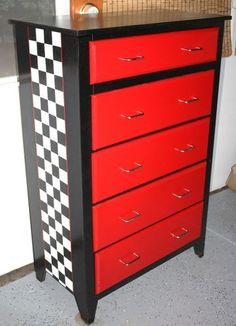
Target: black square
(58, 216)
(64, 210)
(47, 247)
(45, 130)
(67, 253)
(68, 274)
(63, 187)
(52, 121)
(62, 163)
(49, 66)
(47, 155)
(48, 178)
(53, 243)
(40, 162)
(40, 48)
(42, 185)
(44, 206)
(56, 194)
(56, 53)
(38, 139)
(55, 171)
(60, 112)
(61, 277)
(32, 34)
(35, 88)
(54, 146)
(48, 36)
(58, 83)
(50, 201)
(45, 227)
(51, 222)
(42, 77)
(48, 266)
(37, 114)
(59, 239)
(66, 233)
(51, 94)
(44, 104)
(34, 61)
(54, 262)
(60, 258)
(61, 138)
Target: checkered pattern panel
(50, 137)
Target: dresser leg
(40, 270)
(87, 310)
(199, 248)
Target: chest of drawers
(118, 115)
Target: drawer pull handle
(178, 235)
(136, 115)
(131, 219)
(185, 150)
(127, 263)
(137, 167)
(138, 57)
(185, 194)
(196, 48)
(193, 99)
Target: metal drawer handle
(196, 48)
(191, 100)
(127, 263)
(138, 57)
(131, 219)
(185, 194)
(137, 167)
(181, 235)
(136, 115)
(185, 150)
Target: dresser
(118, 117)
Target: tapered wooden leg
(87, 310)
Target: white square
(52, 233)
(35, 75)
(67, 264)
(39, 35)
(41, 174)
(51, 212)
(56, 182)
(58, 227)
(65, 221)
(57, 206)
(63, 176)
(40, 151)
(61, 125)
(61, 268)
(45, 117)
(60, 248)
(53, 252)
(56, 39)
(49, 190)
(36, 102)
(44, 217)
(55, 271)
(64, 200)
(48, 51)
(43, 91)
(52, 108)
(59, 96)
(43, 196)
(46, 237)
(42, 64)
(57, 66)
(33, 47)
(48, 167)
(69, 284)
(67, 244)
(50, 80)
(54, 158)
(46, 143)
(47, 256)
(38, 127)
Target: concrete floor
(185, 291)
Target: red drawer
(126, 214)
(128, 256)
(148, 107)
(130, 56)
(125, 166)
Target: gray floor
(185, 291)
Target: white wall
(225, 149)
(15, 237)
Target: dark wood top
(119, 21)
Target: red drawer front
(125, 166)
(126, 214)
(128, 256)
(148, 107)
(130, 56)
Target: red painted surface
(159, 103)
(158, 52)
(126, 214)
(151, 157)
(146, 247)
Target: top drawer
(130, 56)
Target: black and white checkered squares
(50, 136)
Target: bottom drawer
(128, 256)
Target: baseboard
(16, 274)
(218, 190)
